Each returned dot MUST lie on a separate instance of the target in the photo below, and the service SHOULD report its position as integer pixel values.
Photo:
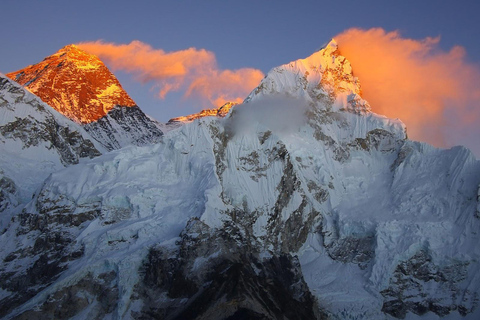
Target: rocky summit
(300, 203)
(75, 83)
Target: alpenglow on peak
(75, 83)
(325, 77)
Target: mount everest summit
(299, 203)
(80, 86)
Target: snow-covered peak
(324, 78)
(75, 83)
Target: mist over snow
(279, 113)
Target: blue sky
(241, 34)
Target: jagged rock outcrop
(75, 300)
(215, 275)
(419, 286)
(8, 194)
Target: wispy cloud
(279, 113)
(193, 71)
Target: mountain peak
(331, 46)
(325, 77)
(69, 48)
(73, 51)
(75, 83)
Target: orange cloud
(193, 70)
(220, 86)
(435, 93)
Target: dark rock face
(99, 292)
(211, 276)
(377, 139)
(37, 266)
(289, 235)
(352, 250)
(69, 144)
(358, 248)
(123, 126)
(414, 279)
(26, 285)
(8, 191)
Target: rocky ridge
(221, 112)
(122, 126)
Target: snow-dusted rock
(123, 126)
(35, 140)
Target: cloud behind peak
(435, 92)
(193, 71)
